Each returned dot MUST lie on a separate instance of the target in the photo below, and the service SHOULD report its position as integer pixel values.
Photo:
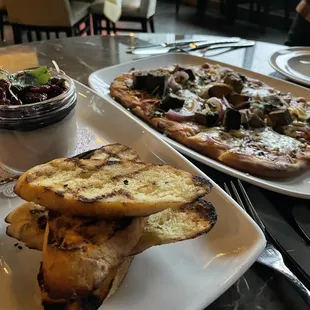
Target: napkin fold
(112, 10)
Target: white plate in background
(294, 63)
(297, 186)
(187, 275)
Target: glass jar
(36, 133)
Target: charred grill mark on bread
(116, 151)
(121, 192)
(131, 174)
(202, 181)
(203, 207)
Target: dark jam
(18, 95)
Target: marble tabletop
(80, 56)
(259, 288)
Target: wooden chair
(47, 16)
(141, 11)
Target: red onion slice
(179, 117)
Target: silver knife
(242, 43)
(191, 45)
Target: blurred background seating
(136, 11)
(44, 19)
(47, 16)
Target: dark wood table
(259, 288)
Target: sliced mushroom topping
(235, 81)
(235, 99)
(204, 92)
(220, 90)
(216, 105)
(190, 72)
(181, 77)
(214, 102)
(242, 105)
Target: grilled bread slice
(173, 225)
(95, 299)
(79, 253)
(168, 226)
(109, 189)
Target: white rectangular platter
(187, 275)
(298, 186)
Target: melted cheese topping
(191, 101)
(257, 94)
(219, 135)
(274, 142)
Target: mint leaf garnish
(40, 74)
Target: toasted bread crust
(27, 224)
(120, 275)
(277, 168)
(92, 301)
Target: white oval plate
(294, 63)
(187, 275)
(297, 187)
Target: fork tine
(252, 210)
(237, 194)
(227, 189)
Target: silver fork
(270, 256)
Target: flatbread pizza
(222, 114)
